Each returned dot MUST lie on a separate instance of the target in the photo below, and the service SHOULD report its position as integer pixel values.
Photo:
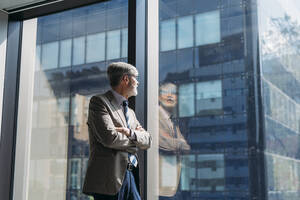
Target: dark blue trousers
(128, 190)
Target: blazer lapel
(117, 107)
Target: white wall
(3, 39)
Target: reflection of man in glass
(171, 142)
(115, 135)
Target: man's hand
(140, 128)
(123, 130)
(126, 131)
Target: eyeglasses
(131, 75)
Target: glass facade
(73, 49)
(228, 111)
(203, 93)
(280, 77)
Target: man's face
(168, 97)
(132, 85)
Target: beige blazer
(108, 148)
(176, 146)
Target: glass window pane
(38, 57)
(209, 89)
(210, 167)
(186, 100)
(66, 25)
(208, 28)
(186, 7)
(207, 121)
(168, 9)
(209, 97)
(167, 35)
(50, 55)
(96, 19)
(124, 42)
(185, 59)
(113, 44)
(50, 31)
(188, 172)
(185, 32)
(167, 64)
(65, 53)
(113, 14)
(78, 50)
(169, 168)
(95, 48)
(79, 21)
(74, 48)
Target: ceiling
(8, 5)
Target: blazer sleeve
(143, 138)
(103, 128)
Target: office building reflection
(281, 81)
(202, 61)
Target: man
(115, 135)
(172, 144)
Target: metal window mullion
(10, 107)
(25, 108)
(152, 74)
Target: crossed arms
(101, 123)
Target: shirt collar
(118, 97)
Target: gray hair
(117, 70)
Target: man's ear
(126, 78)
(123, 78)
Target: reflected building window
(85, 49)
(193, 30)
(207, 27)
(203, 172)
(50, 55)
(79, 21)
(210, 172)
(185, 32)
(113, 44)
(96, 18)
(65, 53)
(167, 35)
(95, 47)
(78, 50)
(75, 173)
(188, 173)
(124, 43)
(209, 97)
(186, 100)
(184, 60)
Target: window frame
(16, 18)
